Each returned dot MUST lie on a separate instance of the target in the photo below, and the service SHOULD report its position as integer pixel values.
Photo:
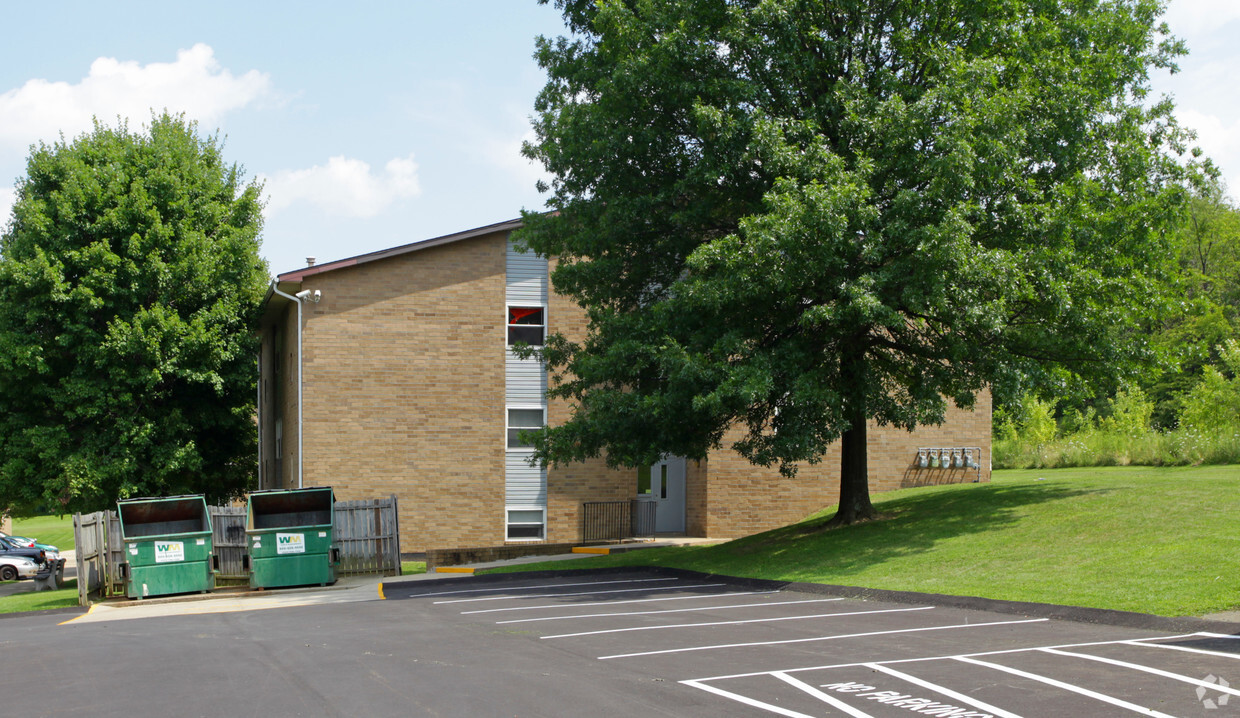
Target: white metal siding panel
(527, 277)
(525, 380)
(526, 485)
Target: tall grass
(1028, 435)
(1181, 447)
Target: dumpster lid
(288, 508)
(163, 516)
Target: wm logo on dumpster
(290, 543)
(169, 551)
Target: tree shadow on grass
(906, 526)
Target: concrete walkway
(347, 589)
(614, 548)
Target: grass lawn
(54, 530)
(1155, 540)
(408, 568)
(66, 597)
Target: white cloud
(1220, 139)
(345, 187)
(504, 153)
(1189, 18)
(195, 84)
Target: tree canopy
(129, 287)
(798, 216)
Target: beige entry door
(667, 489)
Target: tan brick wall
(744, 499)
(569, 486)
(404, 394)
(404, 389)
(697, 498)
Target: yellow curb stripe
(453, 569)
(600, 550)
(381, 596)
(88, 612)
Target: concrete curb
(1078, 614)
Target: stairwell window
(527, 324)
(527, 524)
(523, 419)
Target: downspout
(258, 411)
(295, 300)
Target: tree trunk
(855, 503)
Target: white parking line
(671, 610)
(571, 593)
(524, 588)
(737, 622)
(1186, 649)
(1146, 669)
(1067, 687)
(832, 666)
(746, 700)
(821, 638)
(825, 698)
(608, 603)
(942, 690)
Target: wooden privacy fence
(89, 540)
(228, 542)
(367, 533)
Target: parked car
(15, 567)
(23, 540)
(9, 548)
(27, 542)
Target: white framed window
(528, 324)
(526, 523)
(523, 418)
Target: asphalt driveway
(617, 644)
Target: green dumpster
(289, 532)
(167, 546)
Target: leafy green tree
(1212, 405)
(1130, 413)
(129, 285)
(1209, 235)
(1207, 309)
(798, 216)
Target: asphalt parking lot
(792, 653)
(617, 644)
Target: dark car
(10, 548)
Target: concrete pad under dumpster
(167, 546)
(290, 537)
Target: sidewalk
(588, 551)
(347, 589)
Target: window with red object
(526, 324)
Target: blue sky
(381, 123)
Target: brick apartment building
(400, 381)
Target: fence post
(82, 572)
(396, 534)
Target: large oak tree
(800, 215)
(129, 285)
